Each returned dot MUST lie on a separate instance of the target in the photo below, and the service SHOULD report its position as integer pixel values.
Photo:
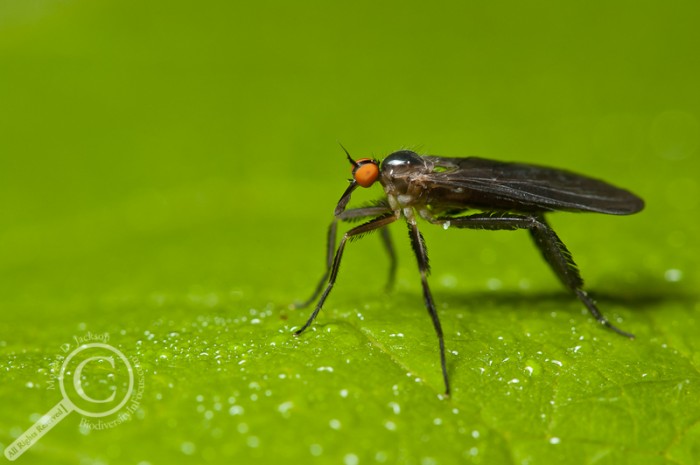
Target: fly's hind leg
(552, 248)
(560, 260)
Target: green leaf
(167, 176)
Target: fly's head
(365, 172)
(397, 173)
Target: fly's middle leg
(422, 256)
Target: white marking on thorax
(405, 199)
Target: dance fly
(472, 193)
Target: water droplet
(673, 275)
(449, 281)
(187, 448)
(236, 410)
(395, 407)
(284, 408)
(494, 284)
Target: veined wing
(521, 186)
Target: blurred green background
(168, 170)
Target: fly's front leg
(423, 265)
(552, 248)
(357, 231)
(349, 216)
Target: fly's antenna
(352, 162)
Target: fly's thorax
(400, 172)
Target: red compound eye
(365, 172)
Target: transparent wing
(525, 187)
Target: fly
(444, 191)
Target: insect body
(442, 191)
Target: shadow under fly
(443, 191)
